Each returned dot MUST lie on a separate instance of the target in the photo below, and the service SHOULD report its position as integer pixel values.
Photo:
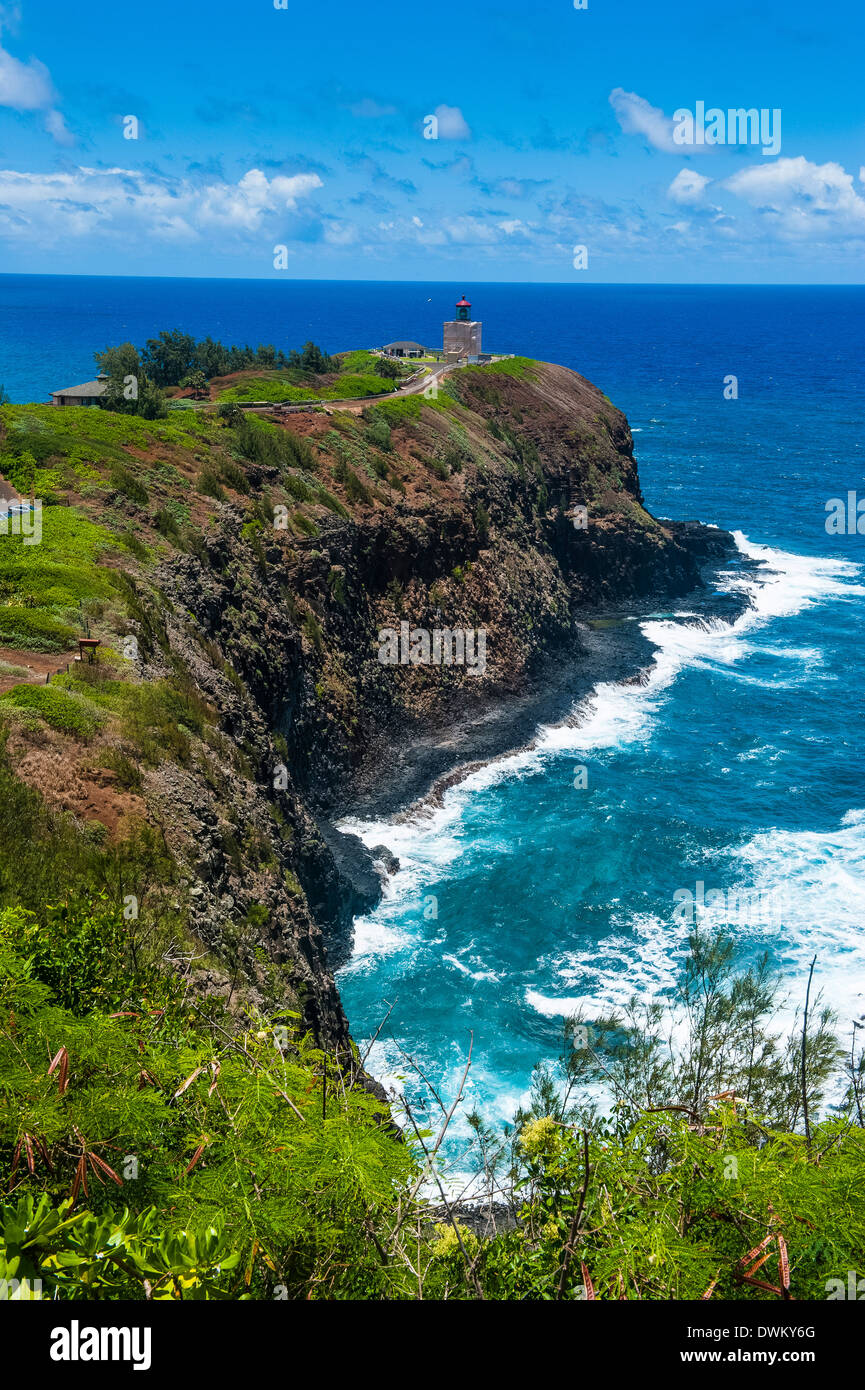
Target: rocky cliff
(239, 573)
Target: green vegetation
(261, 442)
(30, 630)
(208, 485)
(59, 710)
(175, 359)
(276, 389)
(130, 391)
(523, 368)
(231, 1170)
(355, 490)
(43, 588)
(127, 483)
(305, 524)
(155, 1142)
(404, 411)
(213, 1163)
(173, 356)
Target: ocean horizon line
(277, 278)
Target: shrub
(312, 629)
(305, 524)
(377, 432)
(32, 630)
(166, 524)
(77, 949)
(122, 480)
(355, 490)
(209, 485)
(134, 544)
(126, 772)
(297, 488)
(230, 414)
(58, 710)
(234, 477)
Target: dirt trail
(35, 666)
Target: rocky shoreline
(400, 783)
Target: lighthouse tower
(462, 335)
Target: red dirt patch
(38, 664)
(88, 793)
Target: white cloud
(28, 87)
(25, 86)
(56, 126)
(688, 187)
(340, 233)
(242, 205)
(637, 117)
(452, 123)
(801, 199)
(126, 202)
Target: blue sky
(303, 128)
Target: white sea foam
(822, 874)
(815, 885)
(820, 879)
(614, 715)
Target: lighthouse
(462, 334)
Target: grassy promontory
(174, 1059)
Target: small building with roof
(88, 393)
(404, 349)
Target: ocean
(738, 767)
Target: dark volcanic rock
(281, 636)
(382, 855)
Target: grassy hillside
(183, 1109)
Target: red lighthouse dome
(463, 307)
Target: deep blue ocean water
(740, 765)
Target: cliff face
(452, 514)
(491, 545)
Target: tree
(151, 402)
(231, 414)
(122, 366)
(168, 358)
(196, 382)
(313, 359)
(129, 391)
(385, 367)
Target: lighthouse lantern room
(462, 335)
